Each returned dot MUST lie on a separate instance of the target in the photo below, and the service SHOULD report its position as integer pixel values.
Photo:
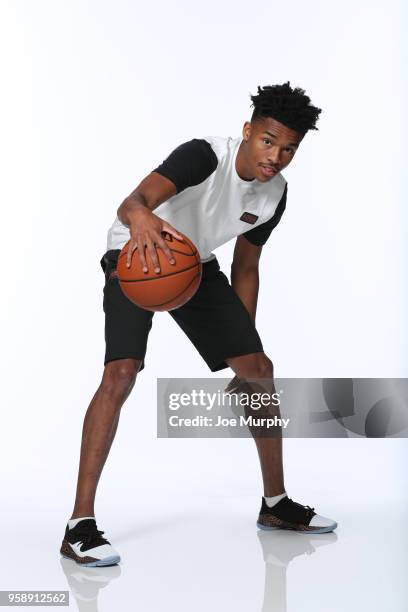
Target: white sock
(272, 501)
(74, 521)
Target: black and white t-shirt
(212, 200)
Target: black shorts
(215, 319)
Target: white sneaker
(85, 545)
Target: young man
(212, 189)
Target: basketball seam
(142, 280)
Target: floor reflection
(86, 582)
(279, 548)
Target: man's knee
(265, 367)
(255, 365)
(119, 376)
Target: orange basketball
(169, 289)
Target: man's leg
(99, 428)
(258, 365)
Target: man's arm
(245, 273)
(152, 191)
(187, 165)
(244, 269)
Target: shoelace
(309, 511)
(92, 538)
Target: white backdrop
(96, 94)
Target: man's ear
(246, 130)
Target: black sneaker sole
(278, 524)
(67, 552)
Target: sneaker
(287, 514)
(85, 545)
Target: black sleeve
(259, 235)
(189, 164)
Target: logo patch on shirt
(249, 217)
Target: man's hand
(146, 231)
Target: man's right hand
(146, 231)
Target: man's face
(268, 147)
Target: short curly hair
(287, 105)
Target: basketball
(169, 289)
